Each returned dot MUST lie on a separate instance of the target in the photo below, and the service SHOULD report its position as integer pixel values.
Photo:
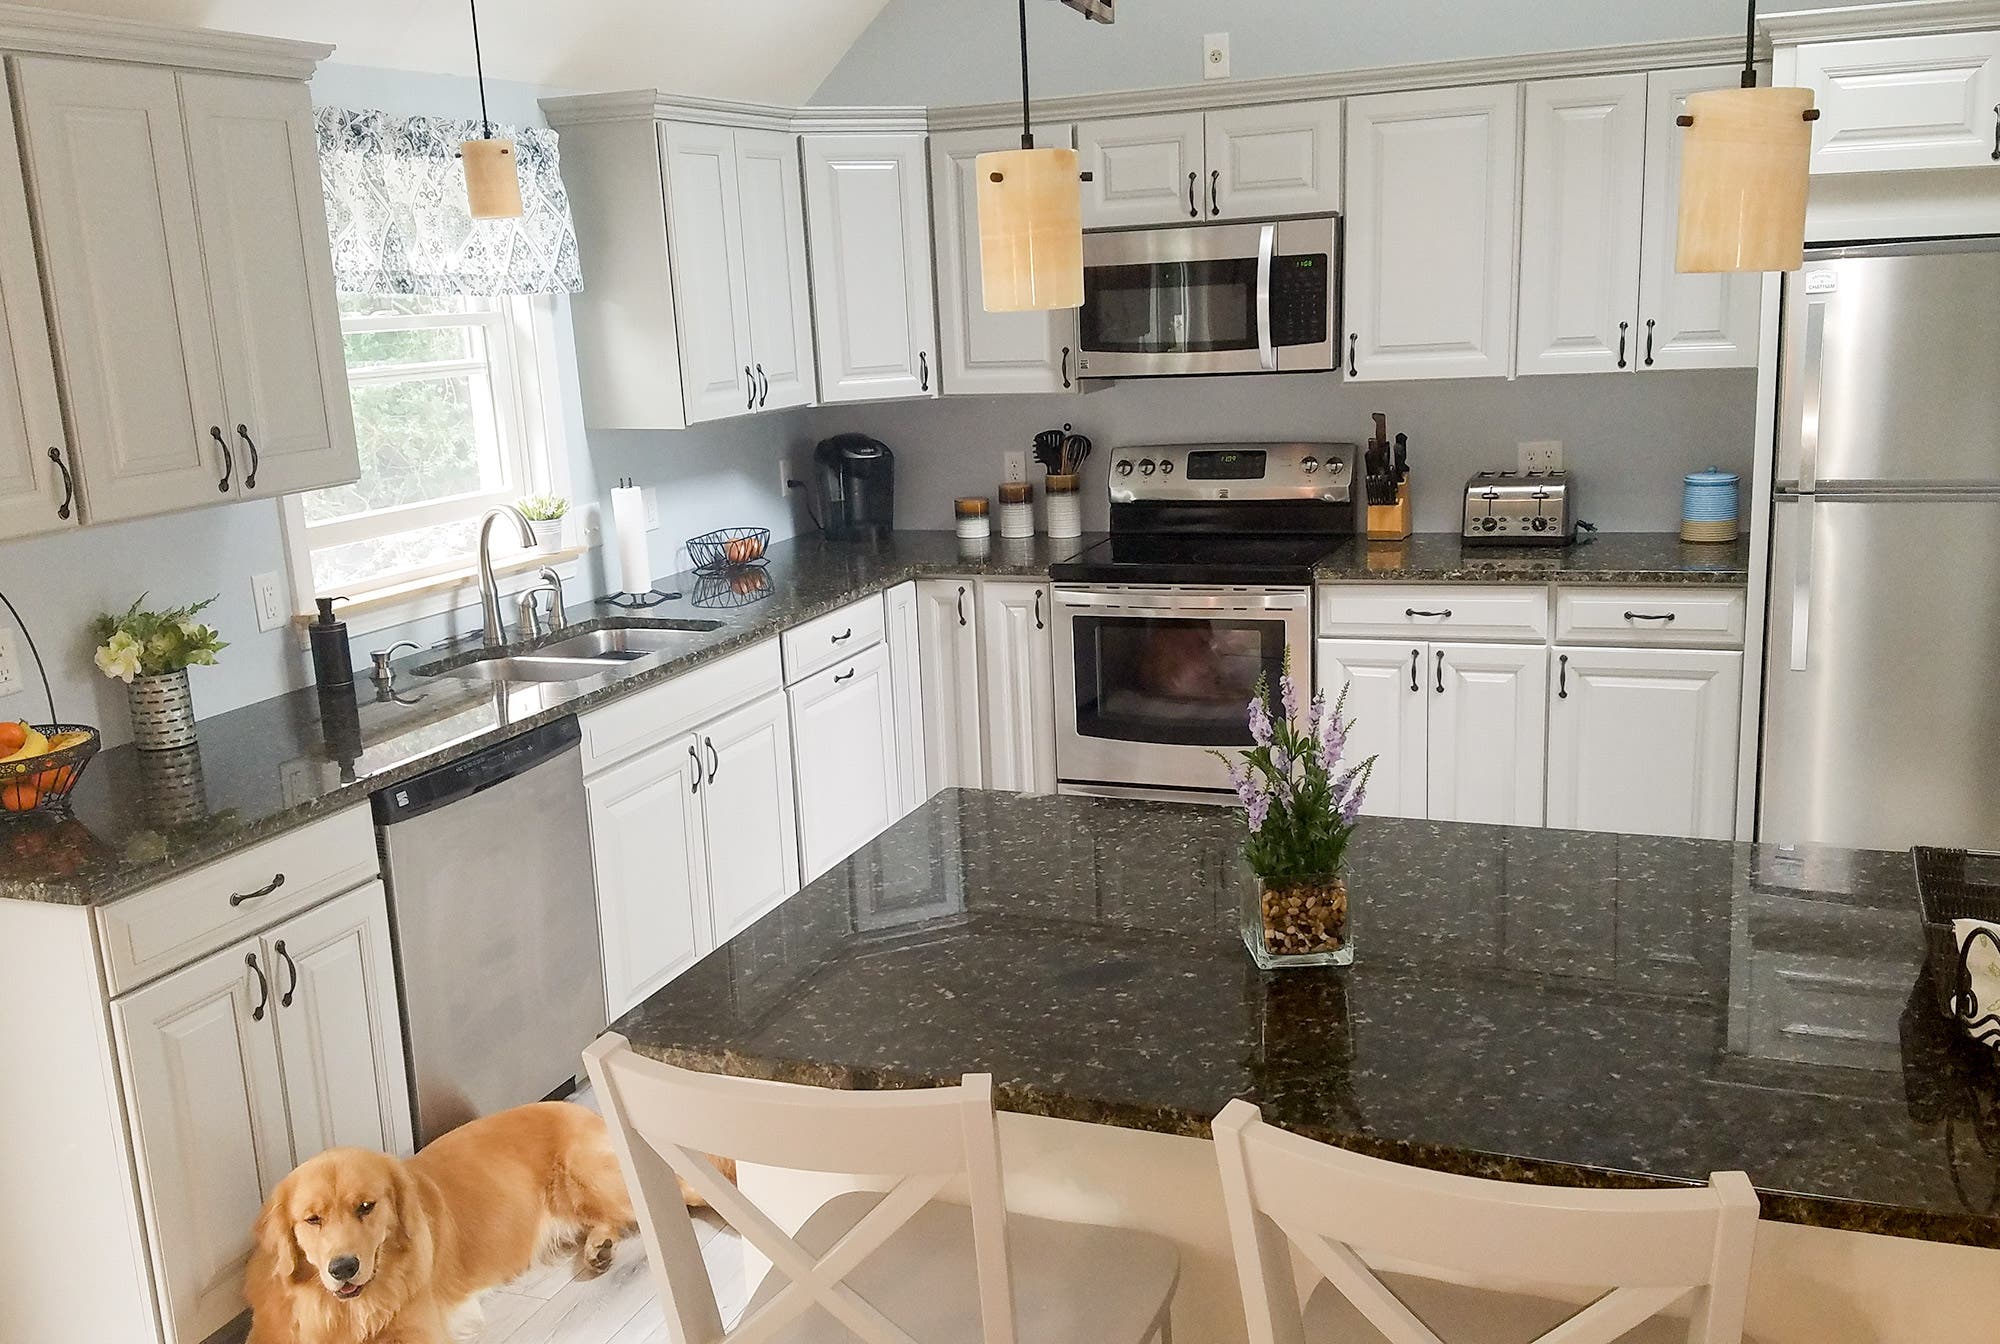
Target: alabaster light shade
(492, 179)
(1743, 180)
(1030, 230)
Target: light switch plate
(264, 594)
(1014, 465)
(651, 499)
(11, 680)
(1215, 56)
(1543, 455)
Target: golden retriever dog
(356, 1247)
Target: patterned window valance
(395, 204)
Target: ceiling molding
(583, 109)
(60, 33)
(1902, 18)
(860, 119)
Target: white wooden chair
(1649, 1248)
(895, 1268)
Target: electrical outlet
(11, 680)
(784, 475)
(651, 499)
(1544, 455)
(593, 526)
(1215, 56)
(1014, 465)
(264, 595)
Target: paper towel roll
(628, 518)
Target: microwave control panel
(1299, 305)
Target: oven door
(1151, 681)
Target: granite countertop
(1601, 557)
(1553, 1006)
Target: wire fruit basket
(729, 548)
(43, 782)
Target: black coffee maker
(855, 482)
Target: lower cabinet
(1388, 707)
(843, 736)
(948, 634)
(245, 1063)
(748, 815)
(1015, 621)
(1645, 740)
(905, 637)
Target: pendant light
(492, 175)
(1030, 219)
(1743, 174)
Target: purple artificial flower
(1260, 722)
(1333, 739)
(1315, 712)
(1260, 808)
(1351, 809)
(1239, 780)
(1288, 697)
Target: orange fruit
(21, 795)
(13, 736)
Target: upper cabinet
(981, 352)
(1237, 163)
(35, 482)
(774, 267)
(868, 203)
(1431, 192)
(1905, 102)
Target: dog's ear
(413, 1222)
(274, 1234)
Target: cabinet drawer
(819, 644)
(693, 698)
(164, 928)
(1689, 617)
(1425, 610)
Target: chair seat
(1459, 1315)
(1074, 1283)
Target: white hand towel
(1979, 953)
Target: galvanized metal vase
(162, 712)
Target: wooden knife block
(1391, 522)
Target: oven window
(1171, 307)
(1173, 681)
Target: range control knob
(1166, 466)
(1125, 466)
(1309, 465)
(1540, 524)
(1490, 524)
(1145, 466)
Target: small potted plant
(1303, 802)
(151, 651)
(545, 514)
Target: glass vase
(1298, 921)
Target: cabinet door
(1584, 156)
(1904, 102)
(340, 1026)
(948, 636)
(1143, 170)
(208, 1117)
(1275, 159)
(705, 233)
(1014, 620)
(869, 224)
(114, 197)
(843, 726)
(270, 282)
(750, 819)
(1388, 706)
(1430, 232)
(1644, 741)
(33, 493)
(1686, 321)
(982, 352)
(774, 267)
(906, 681)
(647, 848)
(1489, 710)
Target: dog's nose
(345, 1268)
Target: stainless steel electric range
(1204, 585)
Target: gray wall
(1628, 437)
(964, 51)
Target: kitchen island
(1550, 1006)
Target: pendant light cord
(1027, 124)
(1750, 49)
(479, 69)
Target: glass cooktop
(1227, 558)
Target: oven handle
(1195, 601)
(1267, 350)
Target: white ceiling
(771, 50)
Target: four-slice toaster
(1516, 508)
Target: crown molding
(1902, 18)
(852, 119)
(583, 109)
(57, 33)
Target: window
(447, 418)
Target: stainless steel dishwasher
(493, 916)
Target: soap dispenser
(333, 660)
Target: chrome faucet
(489, 587)
(551, 583)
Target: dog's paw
(595, 1258)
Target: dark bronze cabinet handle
(923, 371)
(1623, 328)
(1065, 366)
(1651, 323)
(839, 677)
(1996, 132)
(263, 987)
(843, 636)
(1353, 339)
(69, 485)
(714, 759)
(961, 604)
(1416, 657)
(265, 890)
(1440, 671)
(1665, 617)
(1562, 678)
(1038, 610)
(750, 402)
(256, 459)
(228, 463)
(292, 974)
(694, 756)
(1214, 186)
(764, 380)
(1413, 613)
(1194, 211)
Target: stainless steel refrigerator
(1882, 672)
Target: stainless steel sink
(529, 669)
(623, 644)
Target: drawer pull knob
(844, 635)
(1412, 613)
(1649, 616)
(848, 675)
(240, 897)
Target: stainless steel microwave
(1212, 298)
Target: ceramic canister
(1708, 505)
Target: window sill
(436, 594)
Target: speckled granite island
(1561, 1007)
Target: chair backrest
(664, 1122)
(1650, 1248)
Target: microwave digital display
(1215, 465)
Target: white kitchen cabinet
(1488, 717)
(906, 679)
(775, 282)
(749, 816)
(1015, 623)
(34, 482)
(981, 352)
(1143, 170)
(1388, 706)
(1274, 159)
(868, 222)
(1583, 172)
(843, 725)
(1929, 101)
(1432, 186)
(648, 848)
(1644, 741)
(948, 636)
(705, 228)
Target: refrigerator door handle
(1813, 375)
(1802, 581)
